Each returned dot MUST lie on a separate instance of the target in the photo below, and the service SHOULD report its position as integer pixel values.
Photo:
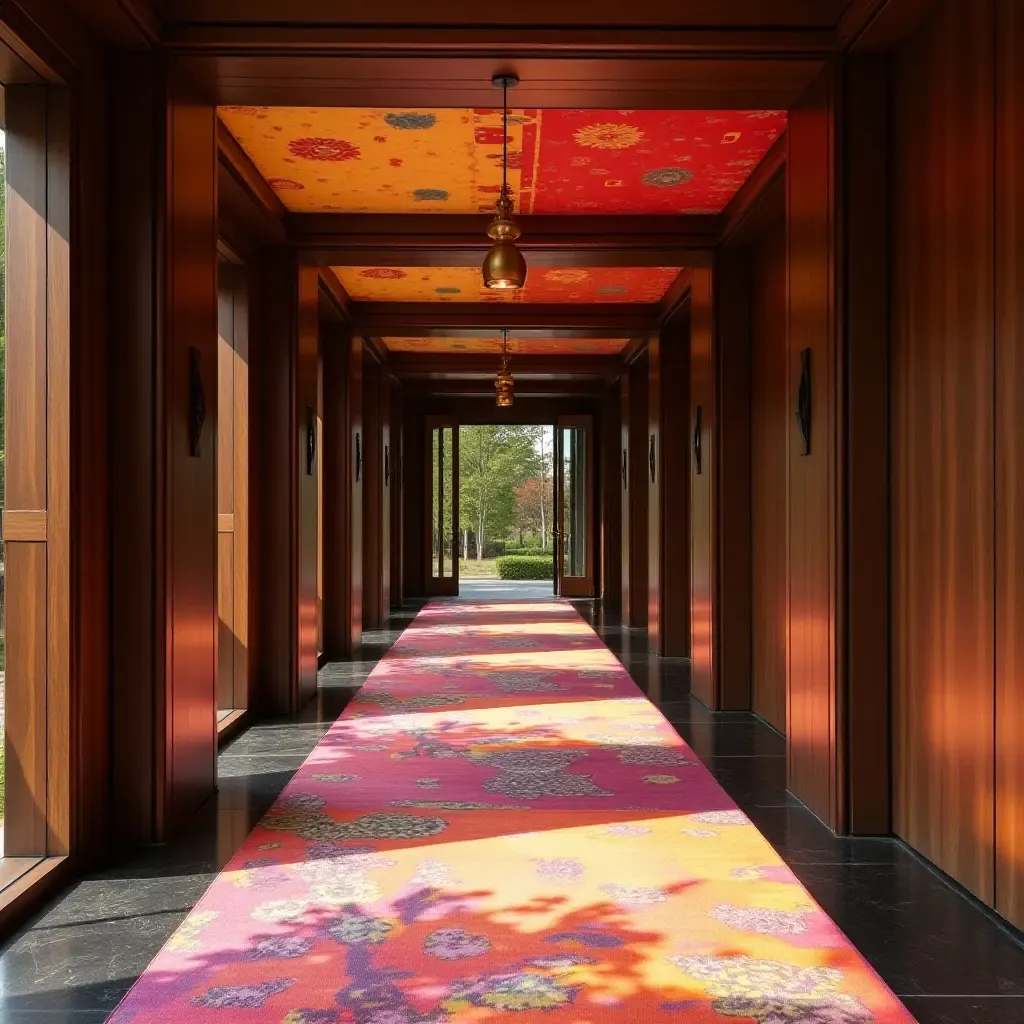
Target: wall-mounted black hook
(803, 402)
(698, 438)
(196, 403)
(310, 440)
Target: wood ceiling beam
(406, 78)
(483, 387)
(469, 366)
(482, 320)
(459, 240)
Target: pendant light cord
(504, 137)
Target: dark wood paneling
(668, 583)
(414, 500)
(137, 454)
(394, 457)
(26, 488)
(942, 444)
(865, 696)
(191, 480)
(625, 500)
(655, 522)
(610, 483)
(704, 668)
(770, 414)
(635, 615)
(384, 401)
(336, 475)
(357, 464)
(811, 238)
(307, 354)
(273, 480)
(1009, 473)
(649, 13)
(733, 506)
(373, 462)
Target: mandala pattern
(561, 869)
(411, 122)
(551, 882)
(242, 997)
(455, 944)
(666, 177)
(762, 920)
(286, 185)
(609, 136)
(634, 895)
(720, 818)
(331, 150)
(281, 947)
(772, 992)
(356, 930)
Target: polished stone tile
(920, 933)
(733, 737)
(973, 1010)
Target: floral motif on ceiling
(517, 346)
(355, 160)
(556, 285)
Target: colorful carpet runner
(501, 823)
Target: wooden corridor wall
(930, 501)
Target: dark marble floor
(946, 957)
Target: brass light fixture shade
(504, 267)
(504, 385)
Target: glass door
(574, 561)
(442, 542)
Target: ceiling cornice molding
(475, 320)
(471, 366)
(335, 291)
(753, 190)
(244, 171)
(459, 240)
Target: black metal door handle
(359, 456)
(803, 402)
(650, 457)
(698, 432)
(624, 469)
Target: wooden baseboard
(30, 890)
(230, 726)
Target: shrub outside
(526, 567)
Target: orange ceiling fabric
(516, 346)
(547, 285)
(356, 160)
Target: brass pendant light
(504, 385)
(504, 267)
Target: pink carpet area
(502, 824)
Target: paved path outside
(474, 590)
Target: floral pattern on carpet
(440, 861)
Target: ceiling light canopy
(504, 268)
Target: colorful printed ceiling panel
(546, 285)
(356, 160)
(517, 346)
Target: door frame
(440, 586)
(574, 586)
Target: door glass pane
(574, 503)
(442, 527)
